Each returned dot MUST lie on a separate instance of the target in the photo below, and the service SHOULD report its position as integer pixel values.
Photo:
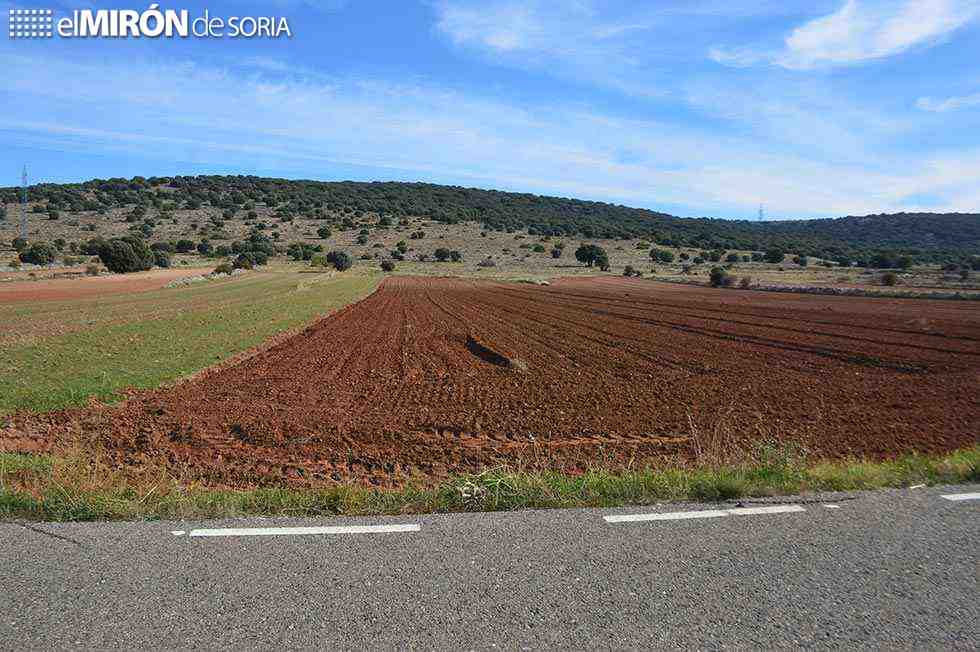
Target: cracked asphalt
(889, 569)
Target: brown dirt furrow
(433, 376)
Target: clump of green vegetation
(124, 255)
(38, 487)
(39, 253)
(340, 260)
(720, 278)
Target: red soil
(65, 289)
(434, 376)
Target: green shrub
(39, 253)
(720, 278)
(889, 279)
(124, 255)
(19, 244)
(92, 269)
(591, 254)
(161, 259)
(455, 256)
(774, 256)
(245, 260)
(442, 254)
(223, 268)
(324, 233)
(387, 266)
(662, 255)
(319, 260)
(340, 260)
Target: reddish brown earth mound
(434, 376)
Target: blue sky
(816, 108)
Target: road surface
(890, 569)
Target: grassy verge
(46, 489)
(144, 339)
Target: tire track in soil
(386, 390)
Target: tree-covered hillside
(927, 236)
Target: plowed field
(428, 377)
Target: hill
(143, 203)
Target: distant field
(58, 353)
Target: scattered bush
(161, 259)
(745, 283)
(92, 270)
(629, 270)
(39, 253)
(889, 279)
(184, 246)
(387, 266)
(442, 254)
(556, 252)
(591, 254)
(455, 256)
(661, 255)
(720, 278)
(324, 233)
(538, 249)
(732, 258)
(223, 268)
(340, 260)
(487, 262)
(774, 256)
(19, 244)
(124, 255)
(245, 260)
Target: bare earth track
(433, 376)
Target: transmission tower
(762, 213)
(23, 204)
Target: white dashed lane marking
(959, 497)
(706, 513)
(294, 531)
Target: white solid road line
(669, 516)
(289, 531)
(958, 497)
(774, 509)
(706, 513)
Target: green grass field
(58, 354)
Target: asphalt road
(892, 569)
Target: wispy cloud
(861, 31)
(858, 31)
(949, 103)
(244, 119)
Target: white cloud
(866, 30)
(182, 112)
(948, 104)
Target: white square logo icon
(30, 23)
